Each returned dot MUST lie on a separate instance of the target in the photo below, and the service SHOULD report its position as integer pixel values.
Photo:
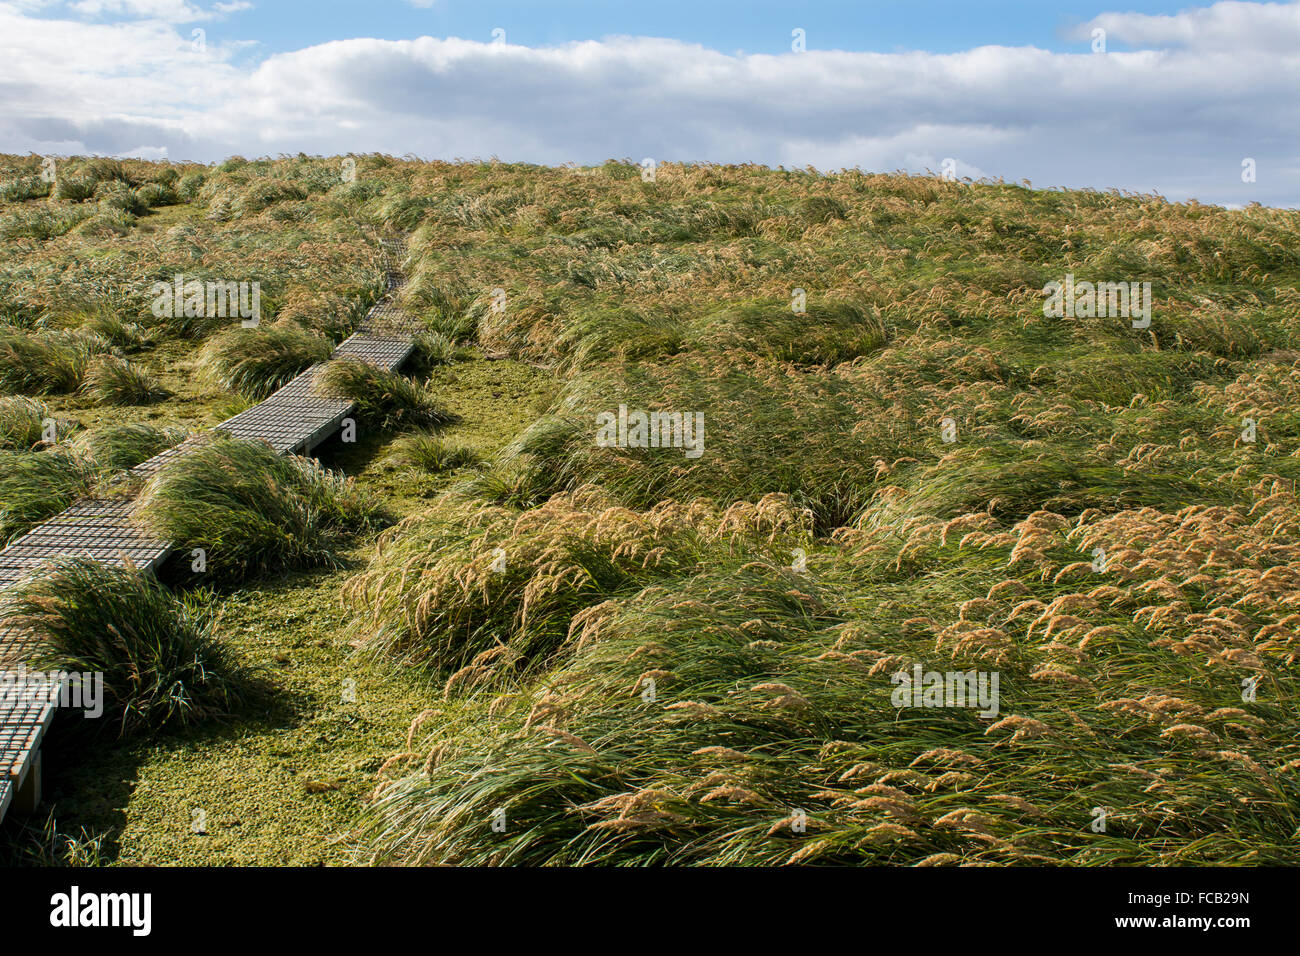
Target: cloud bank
(1175, 106)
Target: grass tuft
(46, 362)
(386, 399)
(119, 447)
(432, 453)
(113, 380)
(22, 422)
(37, 485)
(257, 362)
(253, 511)
(162, 666)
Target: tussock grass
(45, 362)
(109, 222)
(1121, 687)
(72, 188)
(120, 447)
(105, 322)
(113, 380)
(188, 186)
(480, 578)
(823, 334)
(434, 349)
(971, 550)
(256, 362)
(253, 511)
(428, 452)
(261, 194)
(21, 422)
(514, 483)
(387, 399)
(157, 194)
(36, 485)
(41, 222)
(117, 197)
(161, 663)
(772, 692)
(456, 326)
(23, 188)
(767, 428)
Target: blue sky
(1178, 99)
(758, 26)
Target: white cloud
(145, 152)
(1226, 26)
(1178, 118)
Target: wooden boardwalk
(292, 421)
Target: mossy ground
(283, 782)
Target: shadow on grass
(90, 772)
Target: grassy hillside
(632, 655)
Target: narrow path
(292, 421)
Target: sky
(1147, 97)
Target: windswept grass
(44, 363)
(767, 428)
(113, 380)
(1100, 514)
(253, 511)
(120, 447)
(696, 722)
(256, 362)
(651, 657)
(116, 330)
(41, 222)
(36, 485)
(22, 423)
(161, 663)
(454, 326)
(427, 452)
(23, 188)
(385, 399)
(484, 580)
(435, 348)
(157, 194)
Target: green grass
(435, 348)
(256, 362)
(253, 511)
(278, 782)
(21, 422)
(274, 780)
(384, 399)
(826, 439)
(120, 447)
(112, 380)
(118, 331)
(44, 362)
(159, 657)
(37, 485)
(432, 453)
